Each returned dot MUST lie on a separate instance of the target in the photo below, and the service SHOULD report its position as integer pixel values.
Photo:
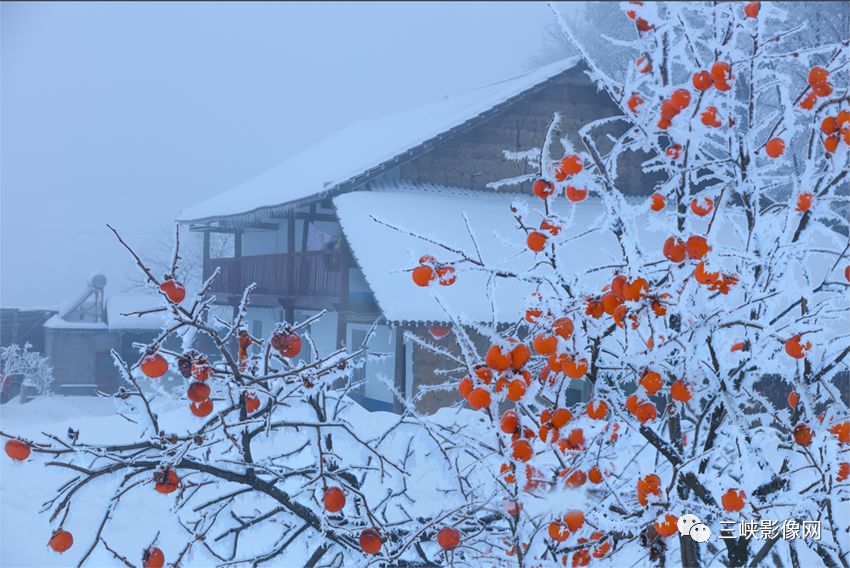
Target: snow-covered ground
(142, 514)
(25, 486)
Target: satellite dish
(97, 280)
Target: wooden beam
(204, 272)
(400, 368)
(235, 228)
(212, 229)
(344, 273)
(305, 226)
(316, 216)
(237, 253)
(289, 285)
(341, 327)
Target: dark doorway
(104, 372)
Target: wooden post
(290, 251)
(342, 313)
(400, 368)
(237, 254)
(307, 220)
(205, 268)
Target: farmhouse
(80, 338)
(338, 226)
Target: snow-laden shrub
(32, 365)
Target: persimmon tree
(728, 284)
(262, 440)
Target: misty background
(128, 113)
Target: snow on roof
(365, 145)
(118, 305)
(56, 322)
(436, 212)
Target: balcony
(311, 274)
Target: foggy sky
(127, 113)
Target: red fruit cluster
(775, 147)
(555, 419)
(634, 102)
(286, 342)
(569, 366)
(575, 194)
(173, 290)
(475, 388)
(733, 500)
(695, 248)
(835, 129)
(429, 270)
(333, 499)
(703, 208)
(796, 349)
(245, 342)
(709, 117)
(18, 450)
(646, 486)
(718, 77)
(715, 281)
(643, 64)
(641, 24)
(657, 201)
(671, 107)
(641, 409)
(153, 557)
(166, 482)
(569, 166)
(61, 541)
(153, 365)
(542, 188)
(751, 9)
(673, 151)
(804, 201)
(612, 301)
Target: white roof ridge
(364, 145)
(433, 188)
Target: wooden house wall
(470, 159)
(475, 158)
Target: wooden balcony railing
(312, 273)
